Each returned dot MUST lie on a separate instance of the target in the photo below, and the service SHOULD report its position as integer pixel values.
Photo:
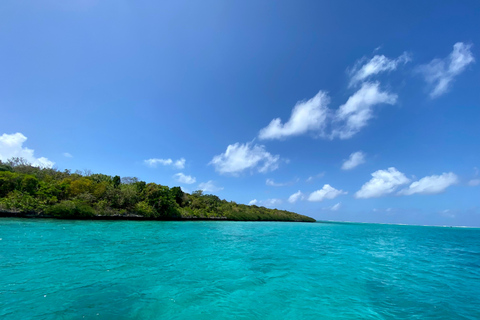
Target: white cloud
(209, 186)
(11, 145)
(295, 197)
(431, 184)
(383, 182)
(335, 207)
(355, 113)
(327, 192)
(306, 116)
(252, 202)
(179, 164)
(182, 178)
(474, 182)
(440, 73)
(272, 183)
(354, 160)
(379, 63)
(239, 157)
(67, 155)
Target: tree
(116, 181)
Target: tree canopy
(26, 190)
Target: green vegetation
(42, 192)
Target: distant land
(33, 192)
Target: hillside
(28, 191)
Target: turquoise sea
(54, 269)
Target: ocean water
(54, 269)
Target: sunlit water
(53, 269)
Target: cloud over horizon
(11, 145)
(209, 186)
(269, 203)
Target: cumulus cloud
(296, 196)
(355, 113)
(239, 157)
(307, 116)
(440, 73)
(209, 186)
(67, 155)
(431, 184)
(327, 192)
(182, 178)
(252, 202)
(355, 159)
(379, 63)
(11, 145)
(383, 182)
(179, 164)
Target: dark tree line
(25, 189)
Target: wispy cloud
(383, 182)
(182, 178)
(272, 183)
(327, 192)
(335, 207)
(67, 155)
(154, 162)
(296, 196)
(364, 69)
(431, 184)
(307, 116)
(311, 178)
(355, 159)
(239, 157)
(209, 186)
(474, 182)
(440, 73)
(355, 113)
(11, 145)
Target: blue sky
(341, 110)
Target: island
(34, 192)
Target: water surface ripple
(53, 269)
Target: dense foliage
(29, 190)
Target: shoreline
(129, 217)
